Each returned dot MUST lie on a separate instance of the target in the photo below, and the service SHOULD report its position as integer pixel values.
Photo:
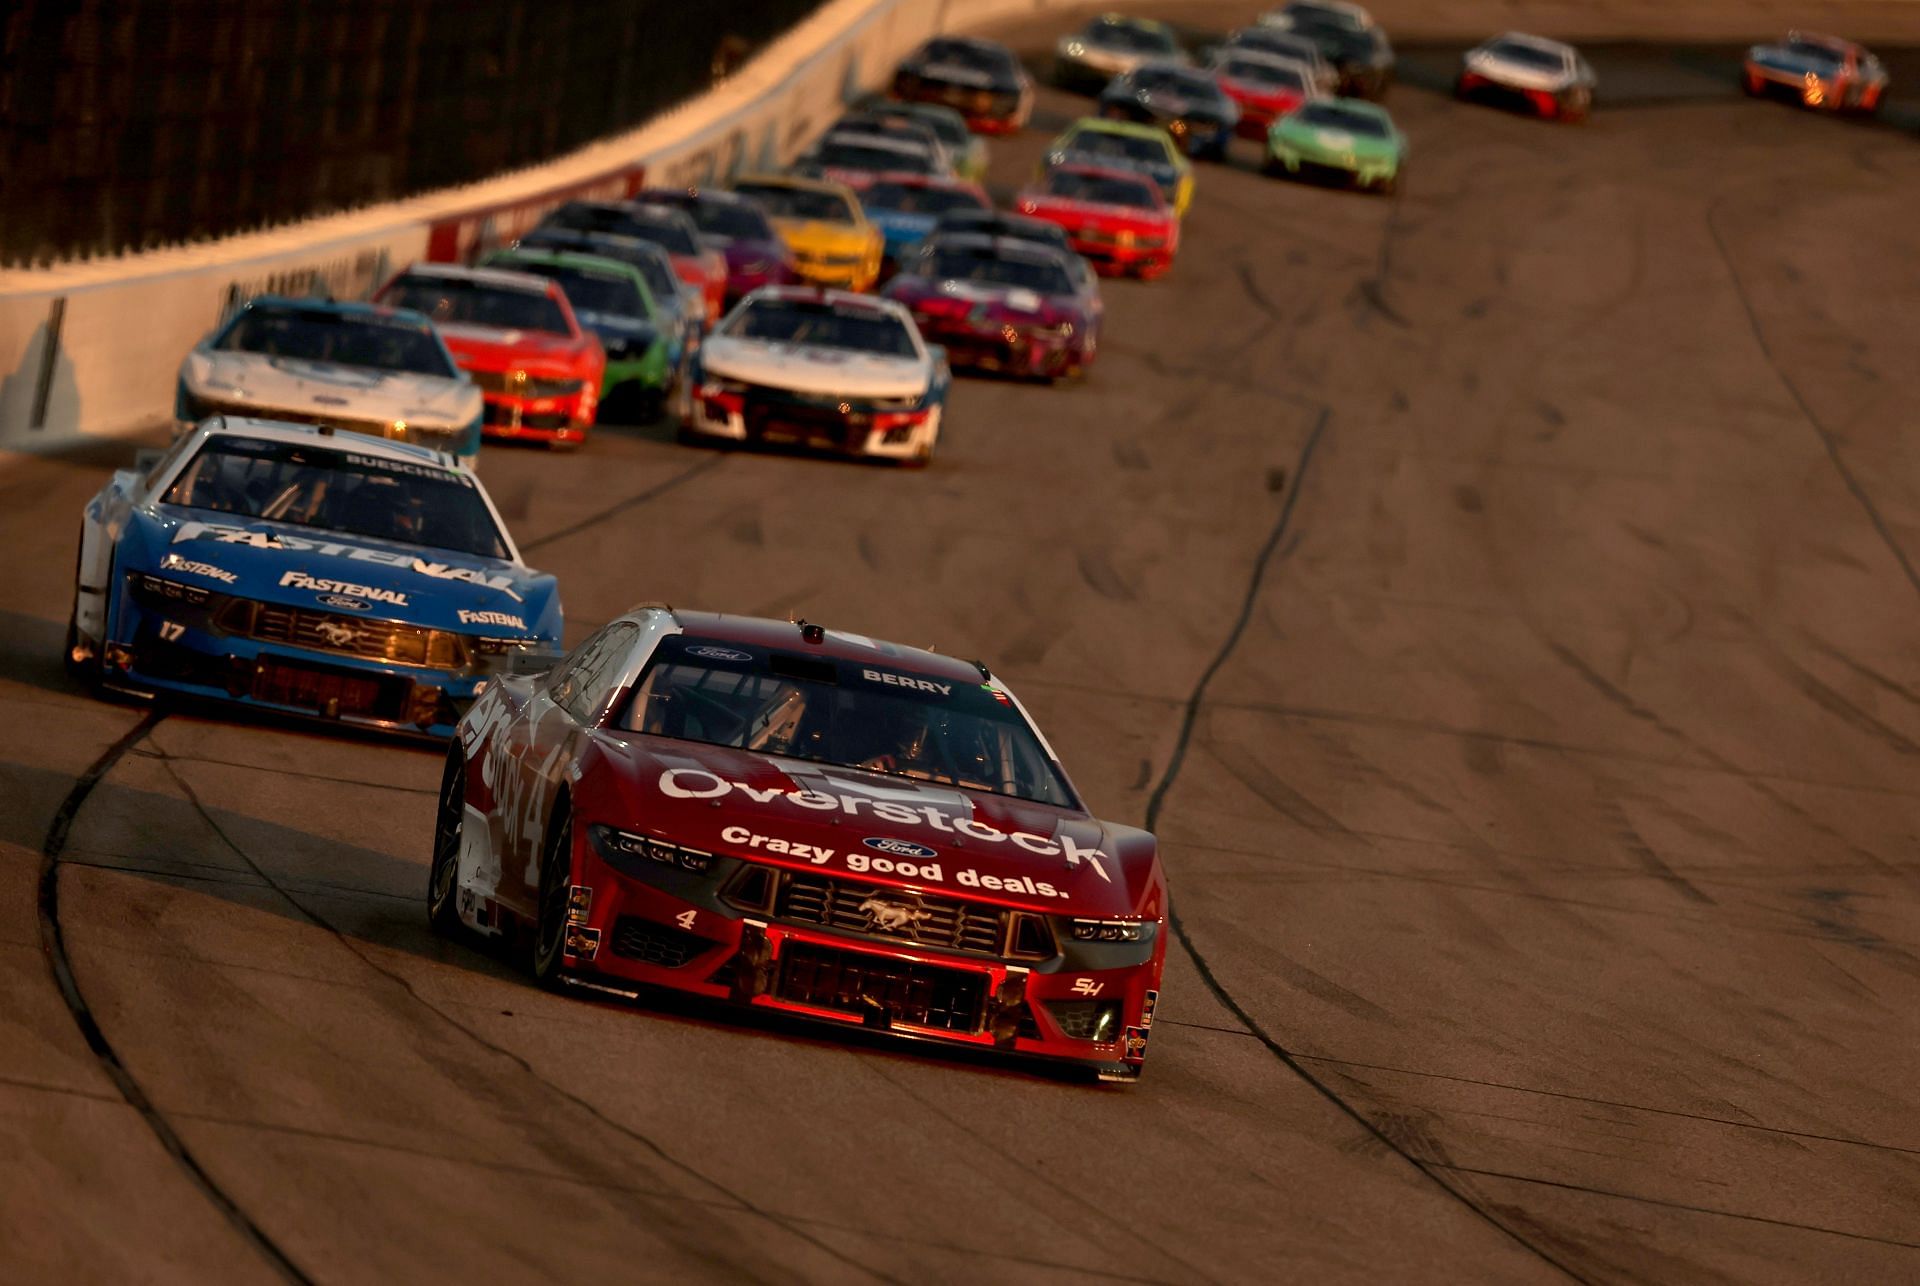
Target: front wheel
(443, 872)
(556, 885)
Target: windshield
(1308, 14)
(1041, 276)
(1264, 73)
(1264, 40)
(313, 335)
(1100, 189)
(842, 155)
(649, 260)
(1001, 225)
(961, 734)
(1527, 55)
(465, 301)
(675, 236)
(590, 289)
(1816, 53)
(799, 203)
(1176, 81)
(1135, 148)
(961, 53)
(824, 324)
(340, 491)
(1329, 116)
(1133, 37)
(902, 198)
(948, 126)
(730, 220)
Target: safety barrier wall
(93, 348)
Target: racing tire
(924, 456)
(443, 867)
(1575, 107)
(1752, 85)
(547, 951)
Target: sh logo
(1088, 987)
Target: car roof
(828, 295)
(856, 649)
(999, 247)
(337, 307)
(1835, 43)
(1542, 43)
(796, 181)
(688, 195)
(1111, 19)
(944, 182)
(1261, 57)
(505, 279)
(272, 430)
(568, 259)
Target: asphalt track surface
(1501, 600)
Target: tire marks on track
(53, 942)
(631, 502)
(1439, 1175)
(729, 1198)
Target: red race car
(801, 821)
(538, 369)
(1116, 218)
(1264, 86)
(997, 304)
(980, 79)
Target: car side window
(590, 683)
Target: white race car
(825, 369)
(363, 368)
(1544, 76)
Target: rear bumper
(651, 925)
(1011, 350)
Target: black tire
(547, 952)
(443, 868)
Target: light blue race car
(285, 567)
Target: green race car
(611, 299)
(967, 150)
(1348, 140)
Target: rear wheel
(1753, 85)
(556, 883)
(443, 872)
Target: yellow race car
(822, 223)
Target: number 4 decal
(685, 919)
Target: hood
(490, 347)
(1324, 138)
(870, 827)
(613, 328)
(1165, 173)
(386, 580)
(993, 303)
(817, 235)
(324, 388)
(804, 369)
(1094, 214)
(900, 227)
(1518, 75)
(753, 257)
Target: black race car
(1350, 39)
(1188, 103)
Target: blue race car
(288, 568)
(905, 207)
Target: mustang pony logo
(889, 916)
(338, 633)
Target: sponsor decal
(1088, 987)
(861, 864)
(223, 534)
(894, 913)
(710, 653)
(408, 467)
(175, 563)
(899, 847)
(172, 631)
(300, 580)
(579, 903)
(1012, 884)
(585, 943)
(774, 844)
(1136, 1044)
(699, 783)
(907, 681)
(344, 603)
(491, 618)
(1146, 1015)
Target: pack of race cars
(768, 813)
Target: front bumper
(762, 415)
(150, 651)
(1006, 348)
(835, 270)
(517, 405)
(1361, 171)
(1122, 253)
(1545, 103)
(658, 924)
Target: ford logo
(344, 603)
(719, 654)
(900, 847)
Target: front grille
(875, 912)
(331, 692)
(825, 427)
(921, 995)
(343, 635)
(656, 944)
(521, 384)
